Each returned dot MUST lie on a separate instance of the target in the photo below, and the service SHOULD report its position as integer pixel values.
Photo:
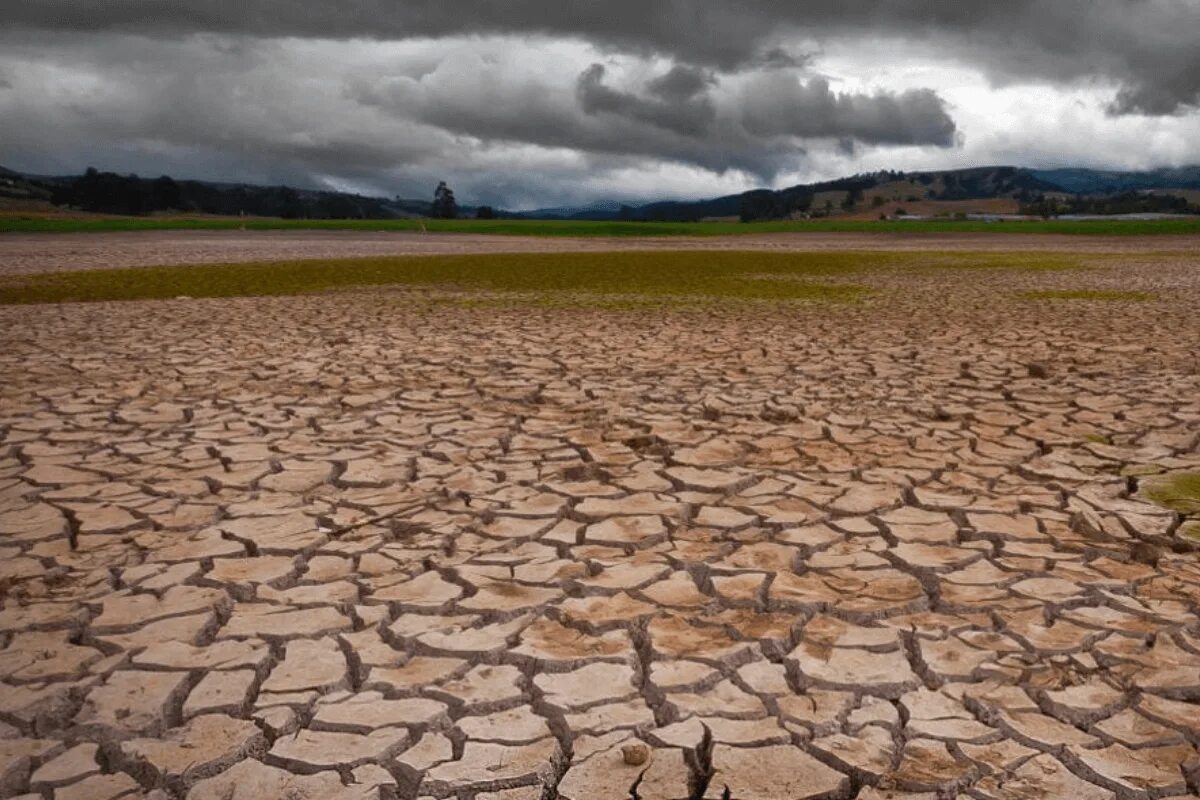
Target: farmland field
(835, 515)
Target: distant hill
(15, 186)
(993, 190)
(603, 209)
(110, 193)
(948, 185)
(1091, 181)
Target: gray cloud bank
(363, 111)
(1147, 46)
(553, 100)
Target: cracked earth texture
(376, 545)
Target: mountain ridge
(816, 199)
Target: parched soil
(26, 253)
(413, 543)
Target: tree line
(1124, 203)
(110, 193)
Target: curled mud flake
(635, 754)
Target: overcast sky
(528, 103)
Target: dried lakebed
(935, 542)
(32, 253)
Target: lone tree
(485, 212)
(444, 206)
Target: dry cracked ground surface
(375, 545)
(23, 254)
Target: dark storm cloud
(526, 102)
(678, 104)
(319, 107)
(780, 104)
(680, 83)
(205, 100)
(682, 115)
(1147, 46)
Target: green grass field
(36, 224)
(666, 275)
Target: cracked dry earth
(375, 545)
